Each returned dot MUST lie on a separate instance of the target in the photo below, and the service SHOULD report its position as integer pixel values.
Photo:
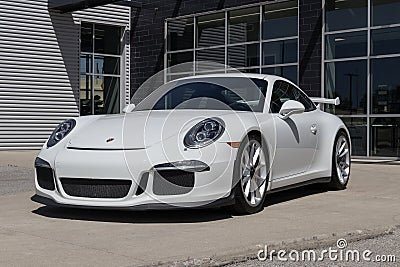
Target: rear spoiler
(321, 100)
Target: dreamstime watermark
(338, 253)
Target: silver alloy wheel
(253, 168)
(342, 159)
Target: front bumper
(212, 185)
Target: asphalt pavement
(309, 217)
(384, 252)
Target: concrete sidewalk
(22, 158)
(31, 234)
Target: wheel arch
(256, 131)
(326, 143)
(269, 149)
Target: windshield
(233, 93)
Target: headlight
(60, 132)
(204, 133)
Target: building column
(310, 46)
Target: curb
(314, 242)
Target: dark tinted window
(107, 40)
(347, 80)
(283, 92)
(244, 25)
(280, 20)
(385, 12)
(343, 45)
(345, 14)
(180, 34)
(280, 52)
(211, 30)
(87, 37)
(385, 41)
(385, 93)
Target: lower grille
(96, 188)
(45, 178)
(172, 182)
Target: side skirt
(312, 181)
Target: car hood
(139, 129)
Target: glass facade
(361, 63)
(361, 57)
(260, 38)
(100, 69)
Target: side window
(302, 98)
(278, 96)
(283, 92)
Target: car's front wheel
(250, 176)
(341, 161)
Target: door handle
(314, 129)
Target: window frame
(370, 27)
(93, 74)
(170, 72)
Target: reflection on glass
(358, 134)
(385, 85)
(280, 20)
(106, 95)
(244, 25)
(254, 70)
(180, 34)
(251, 70)
(86, 63)
(385, 12)
(171, 77)
(348, 81)
(106, 65)
(209, 59)
(87, 37)
(345, 45)
(385, 41)
(107, 39)
(345, 14)
(85, 85)
(241, 56)
(211, 30)
(99, 94)
(179, 58)
(280, 52)
(385, 137)
(288, 72)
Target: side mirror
(129, 108)
(291, 107)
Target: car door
(296, 136)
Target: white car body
(129, 146)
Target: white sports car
(214, 140)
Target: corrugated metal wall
(39, 68)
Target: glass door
(100, 69)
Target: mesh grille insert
(45, 178)
(96, 188)
(172, 182)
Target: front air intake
(96, 188)
(45, 178)
(173, 182)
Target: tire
(340, 164)
(250, 196)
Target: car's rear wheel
(341, 161)
(250, 176)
